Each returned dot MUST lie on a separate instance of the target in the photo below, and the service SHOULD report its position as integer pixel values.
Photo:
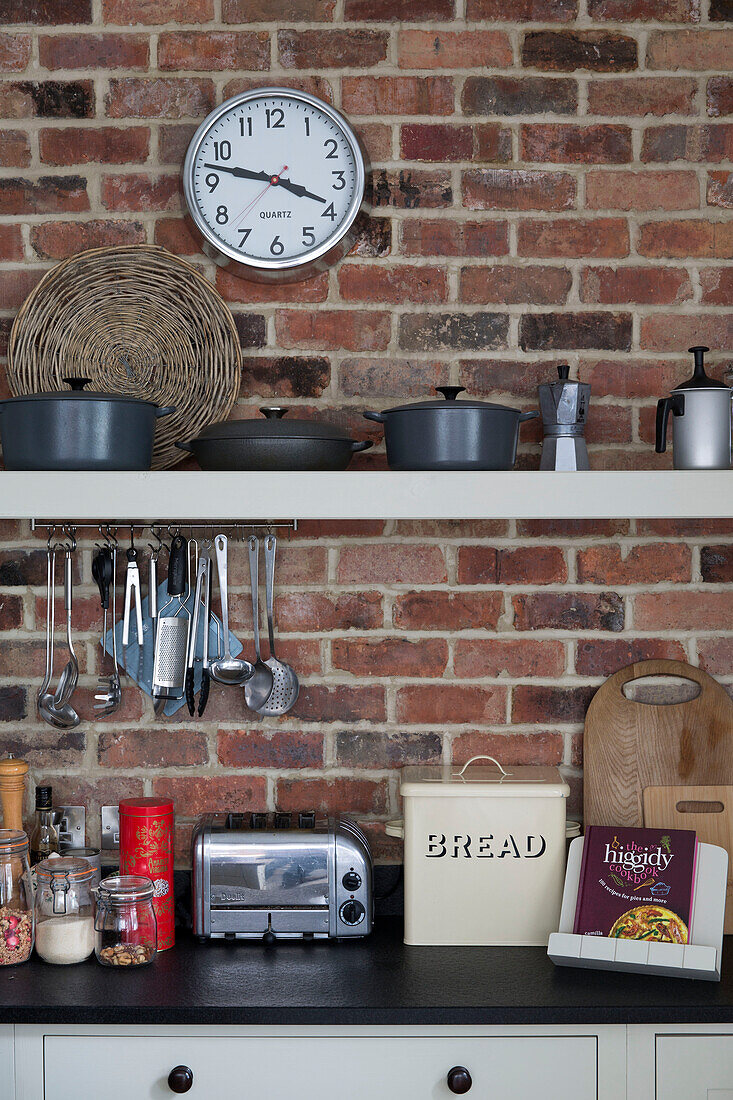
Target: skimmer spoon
(258, 688)
(285, 686)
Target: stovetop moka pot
(701, 408)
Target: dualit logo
(462, 846)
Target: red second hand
(273, 179)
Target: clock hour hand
(240, 173)
(299, 190)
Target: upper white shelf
(206, 496)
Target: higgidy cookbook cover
(636, 884)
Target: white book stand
(701, 959)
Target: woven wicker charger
(137, 321)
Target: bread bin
(484, 853)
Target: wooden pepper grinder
(12, 791)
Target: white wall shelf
(204, 496)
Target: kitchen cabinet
(556, 1063)
(273, 1068)
(197, 495)
(680, 1063)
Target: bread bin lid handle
(459, 775)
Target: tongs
(201, 599)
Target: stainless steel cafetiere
(701, 411)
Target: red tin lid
(146, 807)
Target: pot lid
(700, 380)
(450, 393)
(78, 393)
(492, 781)
(272, 426)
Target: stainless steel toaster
(280, 876)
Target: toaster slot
(257, 921)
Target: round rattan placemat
(136, 321)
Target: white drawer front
(328, 1068)
(694, 1067)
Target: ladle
(69, 677)
(227, 669)
(59, 716)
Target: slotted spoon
(285, 686)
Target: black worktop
(376, 980)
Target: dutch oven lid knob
(274, 412)
(450, 393)
(77, 383)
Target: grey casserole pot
(273, 444)
(78, 429)
(451, 434)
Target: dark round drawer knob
(459, 1080)
(180, 1079)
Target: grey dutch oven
(78, 429)
(451, 434)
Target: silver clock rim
(314, 253)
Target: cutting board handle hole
(699, 807)
(661, 691)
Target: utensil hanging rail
(171, 527)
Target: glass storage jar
(64, 910)
(16, 898)
(126, 930)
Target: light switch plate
(110, 828)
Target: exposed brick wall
(416, 642)
(552, 181)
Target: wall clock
(274, 179)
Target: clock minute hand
(240, 173)
(299, 190)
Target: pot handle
(379, 417)
(674, 404)
(361, 444)
(185, 447)
(528, 416)
(165, 410)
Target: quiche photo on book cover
(636, 884)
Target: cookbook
(637, 884)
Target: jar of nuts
(16, 898)
(125, 928)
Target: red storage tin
(146, 848)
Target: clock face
(274, 178)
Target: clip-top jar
(126, 931)
(16, 898)
(64, 910)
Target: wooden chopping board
(707, 810)
(629, 745)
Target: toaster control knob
(352, 912)
(351, 881)
(180, 1079)
(459, 1080)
